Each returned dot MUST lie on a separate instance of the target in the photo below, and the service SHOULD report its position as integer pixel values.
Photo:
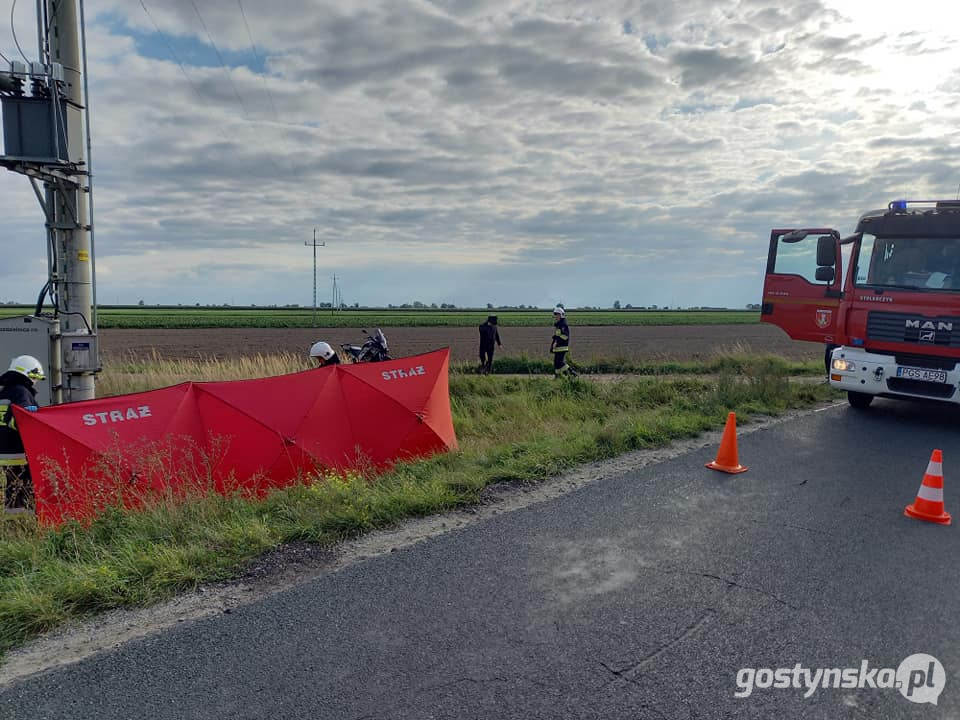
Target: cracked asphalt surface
(634, 597)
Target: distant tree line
(417, 305)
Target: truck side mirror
(826, 251)
(826, 274)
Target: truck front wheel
(861, 401)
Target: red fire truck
(888, 322)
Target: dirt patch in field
(669, 342)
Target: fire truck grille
(921, 387)
(915, 329)
(926, 361)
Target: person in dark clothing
(16, 388)
(489, 334)
(560, 345)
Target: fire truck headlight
(845, 365)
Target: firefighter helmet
(322, 352)
(558, 310)
(28, 366)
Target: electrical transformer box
(80, 352)
(28, 129)
(39, 337)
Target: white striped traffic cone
(929, 503)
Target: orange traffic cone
(929, 503)
(727, 455)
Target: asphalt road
(635, 597)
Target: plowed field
(676, 342)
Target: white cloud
(618, 149)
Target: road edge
(291, 566)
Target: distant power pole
(315, 245)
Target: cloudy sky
(505, 151)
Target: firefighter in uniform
(16, 388)
(560, 345)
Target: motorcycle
(374, 348)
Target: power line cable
(220, 58)
(276, 115)
(14, 31)
(173, 53)
(224, 66)
(196, 91)
(266, 85)
(253, 46)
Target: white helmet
(322, 350)
(28, 366)
(559, 311)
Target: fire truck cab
(889, 321)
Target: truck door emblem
(823, 318)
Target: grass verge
(736, 362)
(510, 429)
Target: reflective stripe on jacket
(561, 336)
(6, 415)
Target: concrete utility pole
(43, 129)
(315, 246)
(74, 281)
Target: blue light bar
(902, 205)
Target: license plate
(910, 373)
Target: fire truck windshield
(909, 263)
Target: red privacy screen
(246, 435)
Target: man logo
(927, 331)
(929, 325)
(823, 318)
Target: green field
(188, 317)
